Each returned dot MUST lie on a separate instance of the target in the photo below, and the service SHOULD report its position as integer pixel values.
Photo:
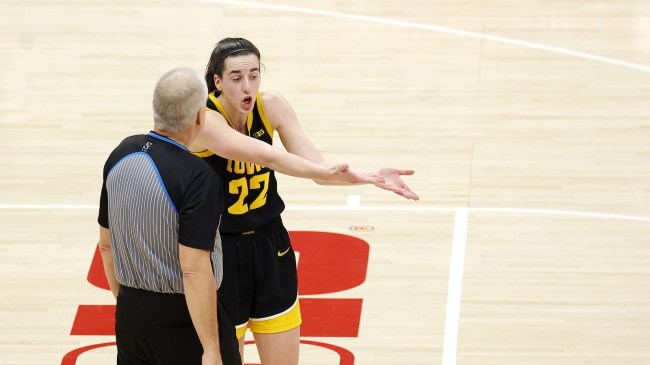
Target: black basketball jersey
(251, 191)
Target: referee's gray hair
(179, 95)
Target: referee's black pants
(156, 329)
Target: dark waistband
(152, 307)
(128, 291)
(267, 227)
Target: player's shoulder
(275, 105)
(271, 98)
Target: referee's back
(157, 198)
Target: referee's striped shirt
(155, 195)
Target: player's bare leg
(278, 348)
(241, 349)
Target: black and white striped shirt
(155, 195)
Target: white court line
(454, 292)
(376, 208)
(354, 201)
(437, 28)
(48, 206)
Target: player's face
(241, 81)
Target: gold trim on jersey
(265, 119)
(203, 154)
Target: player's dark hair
(227, 47)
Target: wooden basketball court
(528, 126)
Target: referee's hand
(211, 358)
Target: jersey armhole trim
(265, 119)
(203, 154)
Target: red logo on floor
(328, 263)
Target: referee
(159, 213)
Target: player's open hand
(393, 182)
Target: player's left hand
(393, 182)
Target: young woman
(260, 287)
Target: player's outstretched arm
(224, 141)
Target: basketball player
(260, 288)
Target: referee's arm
(201, 297)
(106, 249)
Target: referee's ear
(200, 117)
